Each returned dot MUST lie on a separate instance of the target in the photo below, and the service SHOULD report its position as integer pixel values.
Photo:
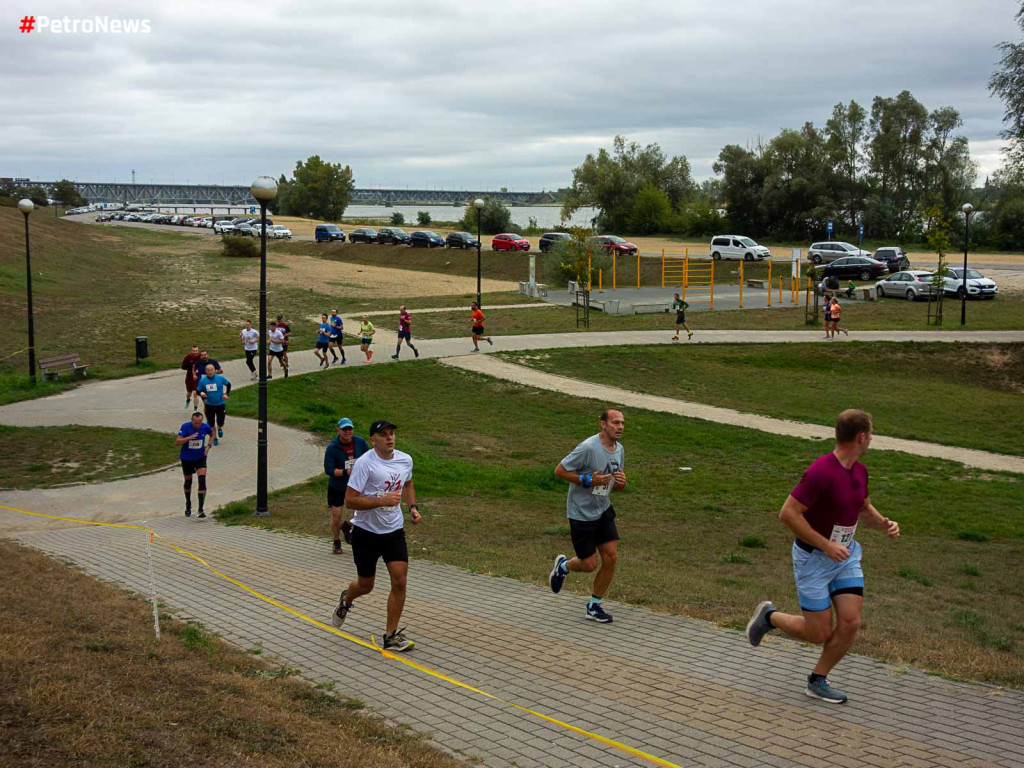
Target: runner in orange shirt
(477, 321)
(837, 312)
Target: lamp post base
(257, 513)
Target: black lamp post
(26, 206)
(479, 205)
(264, 189)
(967, 209)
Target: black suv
(549, 239)
(893, 257)
(461, 240)
(365, 235)
(392, 236)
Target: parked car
(893, 257)
(825, 253)
(326, 232)
(550, 239)
(392, 236)
(737, 247)
(224, 228)
(103, 217)
(978, 286)
(461, 240)
(855, 267)
(246, 230)
(507, 241)
(426, 239)
(614, 243)
(365, 235)
(909, 285)
(279, 232)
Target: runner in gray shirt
(593, 470)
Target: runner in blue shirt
(337, 335)
(214, 389)
(192, 437)
(323, 341)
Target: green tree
(896, 146)
(742, 172)
(795, 195)
(319, 190)
(949, 170)
(280, 202)
(651, 211)
(64, 191)
(397, 219)
(1007, 83)
(494, 218)
(423, 218)
(844, 137)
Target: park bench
(72, 362)
(755, 283)
(648, 307)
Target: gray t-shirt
(588, 458)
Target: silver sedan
(910, 284)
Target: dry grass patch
(86, 684)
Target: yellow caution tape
(372, 645)
(14, 353)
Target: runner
(188, 365)
(214, 389)
(204, 359)
(822, 512)
(837, 312)
(593, 469)
(366, 331)
(282, 325)
(404, 332)
(337, 336)
(477, 321)
(194, 450)
(381, 480)
(276, 342)
(680, 307)
(250, 345)
(323, 341)
(339, 458)
(828, 318)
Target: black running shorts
(407, 335)
(680, 318)
(322, 345)
(478, 330)
(587, 535)
(368, 548)
(336, 496)
(191, 467)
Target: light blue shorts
(818, 577)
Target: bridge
(225, 196)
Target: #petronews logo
(96, 25)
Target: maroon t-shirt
(833, 494)
(404, 321)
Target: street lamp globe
(478, 203)
(967, 208)
(264, 189)
(26, 206)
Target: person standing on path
(680, 307)
(337, 336)
(323, 341)
(276, 342)
(339, 459)
(822, 512)
(404, 332)
(192, 437)
(593, 470)
(188, 365)
(251, 346)
(286, 332)
(214, 388)
(366, 331)
(476, 320)
(837, 312)
(381, 480)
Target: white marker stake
(152, 583)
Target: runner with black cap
(339, 459)
(381, 479)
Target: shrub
(971, 536)
(397, 219)
(753, 542)
(423, 218)
(734, 558)
(240, 248)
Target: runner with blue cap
(341, 454)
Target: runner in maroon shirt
(822, 512)
(188, 365)
(404, 332)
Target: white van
(737, 247)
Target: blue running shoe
(556, 578)
(596, 613)
(822, 689)
(220, 433)
(216, 441)
(758, 625)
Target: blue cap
(342, 423)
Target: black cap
(380, 425)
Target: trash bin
(573, 286)
(611, 306)
(141, 348)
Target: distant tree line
(63, 192)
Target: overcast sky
(459, 94)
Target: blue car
(326, 232)
(426, 239)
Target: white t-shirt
(250, 339)
(374, 476)
(276, 340)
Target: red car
(510, 242)
(617, 244)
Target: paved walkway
(685, 690)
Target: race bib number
(211, 387)
(349, 464)
(195, 445)
(843, 534)
(601, 490)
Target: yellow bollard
(686, 275)
(769, 282)
(780, 289)
(662, 267)
(741, 284)
(712, 285)
(614, 286)
(638, 269)
(600, 281)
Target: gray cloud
(461, 94)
